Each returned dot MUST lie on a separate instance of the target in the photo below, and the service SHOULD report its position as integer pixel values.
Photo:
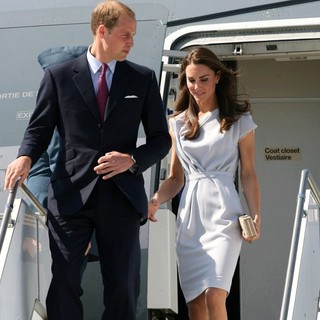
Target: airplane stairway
(301, 299)
(25, 264)
(24, 258)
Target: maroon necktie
(102, 94)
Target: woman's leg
(216, 303)
(209, 305)
(197, 308)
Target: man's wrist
(133, 159)
(134, 166)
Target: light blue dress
(208, 239)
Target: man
(97, 183)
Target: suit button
(100, 125)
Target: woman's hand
(153, 207)
(256, 222)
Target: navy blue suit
(78, 200)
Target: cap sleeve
(246, 124)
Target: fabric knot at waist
(208, 175)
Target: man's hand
(113, 163)
(19, 168)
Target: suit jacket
(66, 100)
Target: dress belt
(208, 175)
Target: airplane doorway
(286, 107)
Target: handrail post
(7, 213)
(294, 244)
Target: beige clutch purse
(247, 225)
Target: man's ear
(102, 30)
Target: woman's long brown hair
(230, 107)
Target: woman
(211, 130)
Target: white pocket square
(131, 97)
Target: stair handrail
(35, 202)
(314, 189)
(6, 219)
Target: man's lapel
(83, 81)
(120, 81)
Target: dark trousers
(116, 224)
